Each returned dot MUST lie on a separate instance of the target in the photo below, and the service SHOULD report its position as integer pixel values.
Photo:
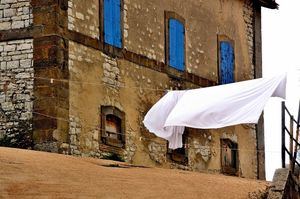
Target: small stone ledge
(137, 59)
(278, 187)
(23, 33)
(283, 186)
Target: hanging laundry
(212, 107)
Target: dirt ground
(32, 174)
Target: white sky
(281, 43)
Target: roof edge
(268, 4)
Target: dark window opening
(112, 127)
(180, 155)
(229, 157)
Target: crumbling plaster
(134, 89)
(205, 20)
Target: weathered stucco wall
(83, 17)
(133, 89)
(205, 153)
(108, 81)
(16, 92)
(97, 80)
(204, 20)
(15, 14)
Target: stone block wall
(15, 14)
(101, 74)
(248, 14)
(284, 185)
(80, 143)
(16, 91)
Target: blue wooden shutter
(226, 62)
(108, 30)
(176, 44)
(180, 46)
(117, 23)
(112, 23)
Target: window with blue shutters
(226, 62)
(176, 57)
(112, 22)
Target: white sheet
(212, 107)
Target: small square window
(229, 157)
(180, 155)
(112, 127)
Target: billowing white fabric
(212, 107)
(156, 117)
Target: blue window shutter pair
(176, 44)
(112, 23)
(226, 62)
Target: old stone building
(78, 76)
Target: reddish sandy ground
(32, 174)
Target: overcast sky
(281, 43)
